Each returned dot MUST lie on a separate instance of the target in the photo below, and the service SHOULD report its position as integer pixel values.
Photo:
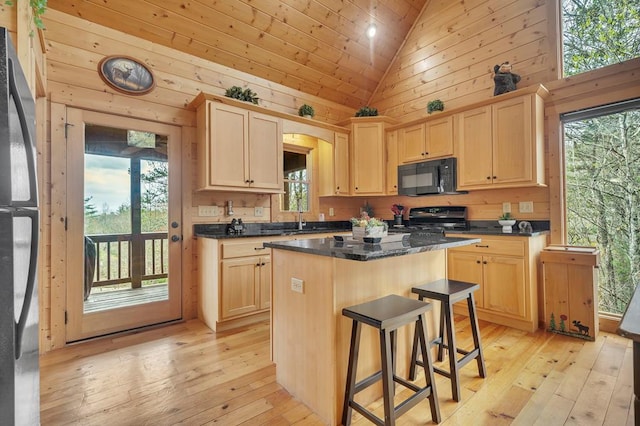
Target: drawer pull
(482, 246)
(259, 248)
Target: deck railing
(124, 258)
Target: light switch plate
(331, 213)
(258, 211)
(297, 285)
(506, 207)
(207, 211)
(526, 207)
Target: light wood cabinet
(238, 149)
(506, 270)
(391, 144)
(500, 145)
(240, 285)
(334, 166)
(367, 158)
(341, 164)
(424, 141)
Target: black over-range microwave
(428, 177)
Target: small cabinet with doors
(367, 155)
(500, 144)
(506, 270)
(239, 149)
(334, 166)
(392, 162)
(432, 138)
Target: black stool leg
(414, 355)
(351, 372)
(451, 345)
(482, 369)
(440, 339)
(387, 377)
(421, 332)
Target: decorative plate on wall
(126, 75)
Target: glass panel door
(121, 175)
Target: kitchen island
(313, 280)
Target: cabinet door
(265, 152)
(439, 137)
(513, 142)
(239, 287)
(326, 178)
(265, 282)
(392, 162)
(475, 148)
(411, 144)
(341, 164)
(368, 158)
(504, 285)
(466, 267)
(228, 145)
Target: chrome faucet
(301, 221)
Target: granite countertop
(630, 324)
(355, 250)
(491, 227)
(219, 231)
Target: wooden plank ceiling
(318, 47)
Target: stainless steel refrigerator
(19, 228)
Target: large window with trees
(597, 33)
(602, 148)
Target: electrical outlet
(258, 211)
(331, 213)
(506, 207)
(297, 285)
(526, 207)
(207, 211)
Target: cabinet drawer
(502, 246)
(244, 248)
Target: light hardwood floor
(187, 374)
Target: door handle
(175, 238)
(174, 224)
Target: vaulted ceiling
(315, 46)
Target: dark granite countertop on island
(269, 229)
(354, 250)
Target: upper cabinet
(501, 145)
(367, 155)
(392, 162)
(238, 149)
(430, 139)
(334, 166)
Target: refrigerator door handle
(31, 277)
(27, 138)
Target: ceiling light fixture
(371, 30)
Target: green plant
(306, 110)
(367, 111)
(435, 105)
(506, 216)
(246, 95)
(38, 6)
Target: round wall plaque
(126, 75)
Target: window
(597, 33)
(296, 180)
(602, 167)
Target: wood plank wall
(456, 42)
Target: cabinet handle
(251, 181)
(257, 264)
(488, 177)
(262, 264)
(495, 177)
(485, 262)
(259, 248)
(481, 246)
(478, 262)
(247, 181)
(426, 153)
(356, 188)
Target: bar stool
(387, 314)
(449, 292)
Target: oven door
(418, 179)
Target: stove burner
(437, 220)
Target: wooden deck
(186, 373)
(103, 300)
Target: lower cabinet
(506, 270)
(245, 284)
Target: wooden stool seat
(449, 292)
(387, 314)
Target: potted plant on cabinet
(367, 111)
(306, 111)
(435, 105)
(507, 222)
(246, 95)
